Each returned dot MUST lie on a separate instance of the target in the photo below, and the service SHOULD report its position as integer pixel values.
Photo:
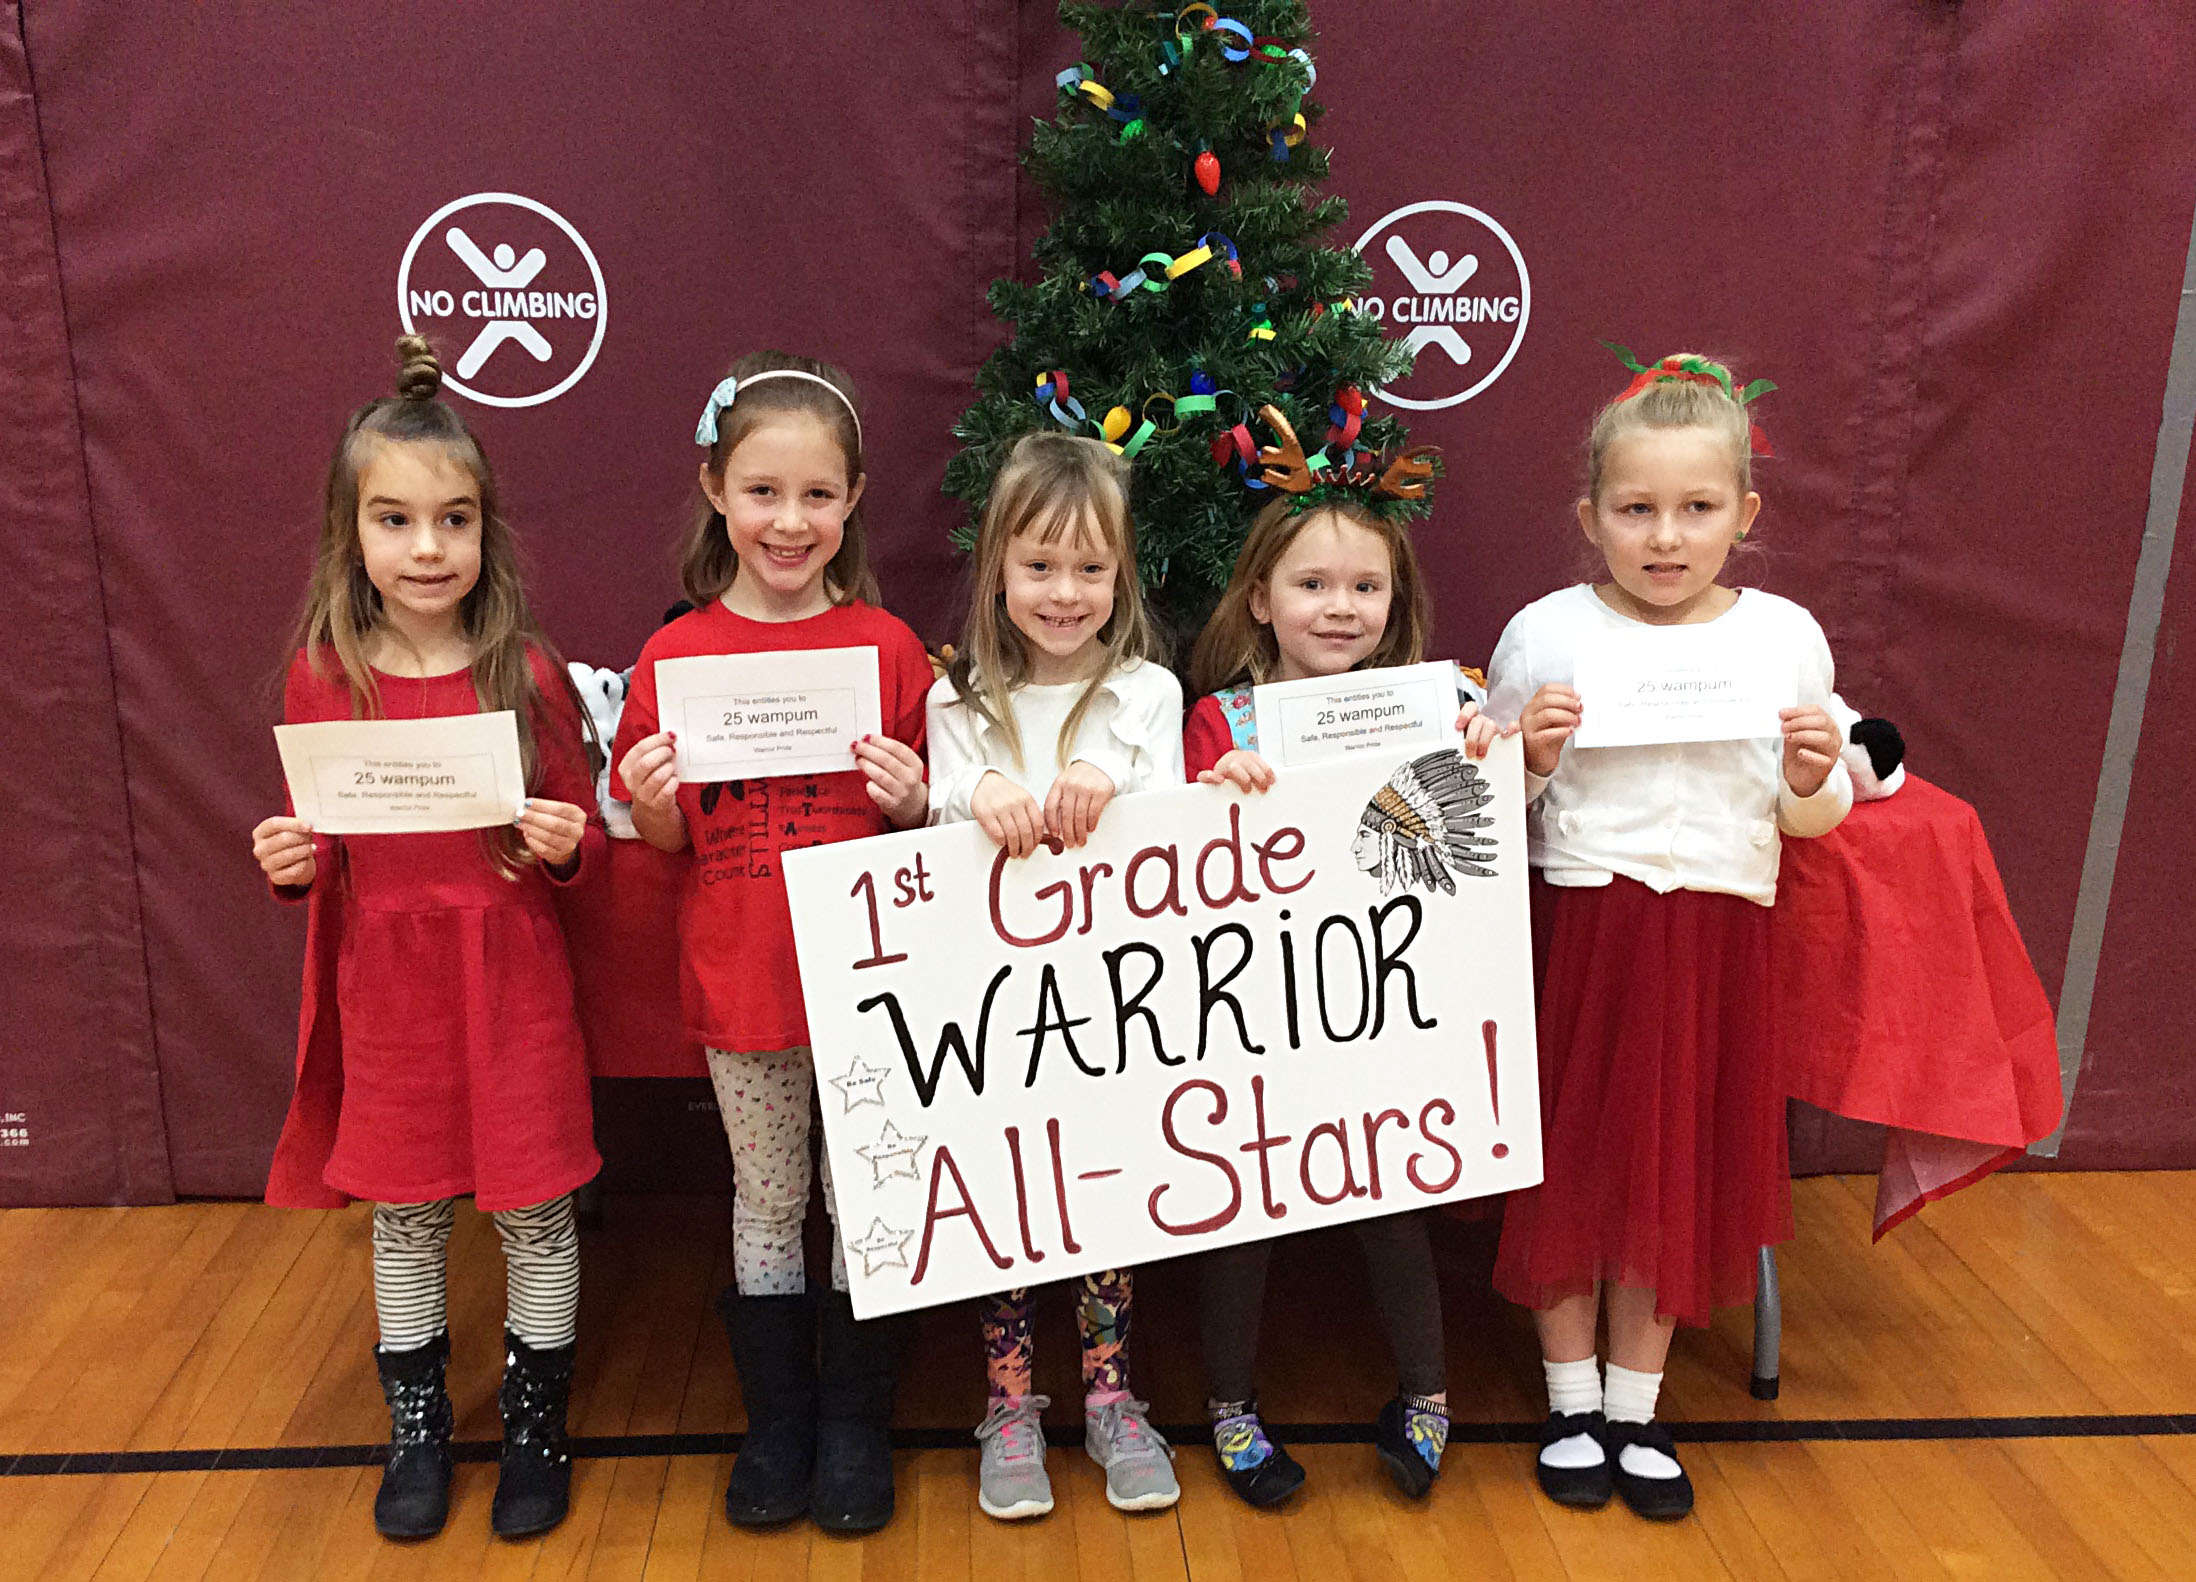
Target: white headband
(705, 432)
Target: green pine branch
(1275, 333)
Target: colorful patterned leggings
(1101, 1313)
(766, 1101)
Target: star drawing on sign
(862, 1085)
(881, 1247)
(893, 1154)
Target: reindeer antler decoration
(1406, 476)
(1285, 466)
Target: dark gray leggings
(1406, 1296)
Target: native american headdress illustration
(1423, 825)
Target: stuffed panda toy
(603, 691)
(1874, 754)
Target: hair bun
(420, 377)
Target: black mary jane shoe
(1269, 1482)
(1657, 1499)
(1585, 1488)
(1413, 1474)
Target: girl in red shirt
(439, 1053)
(777, 561)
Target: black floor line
(618, 1447)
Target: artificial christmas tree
(1184, 289)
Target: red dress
(439, 1053)
(739, 986)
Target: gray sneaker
(1011, 1482)
(1139, 1464)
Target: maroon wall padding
(79, 1091)
(1900, 213)
(1954, 235)
(233, 191)
(2137, 1093)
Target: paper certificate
(404, 777)
(795, 712)
(1403, 707)
(1680, 684)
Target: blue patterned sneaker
(1139, 1464)
(1010, 1480)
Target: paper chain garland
(1106, 287)
(1051, 395)
(1236, 43)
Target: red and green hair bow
(1694, 370)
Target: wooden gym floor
(2005, 1387)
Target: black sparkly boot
(414, 1498)
(535, 1484)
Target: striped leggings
(540, 1262)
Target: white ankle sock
(1573, 1387)
(1631, 1399)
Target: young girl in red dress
(439, 1053)
(776, 562)
(1661, 1113)
(1319, 589)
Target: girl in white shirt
(1053, 706)
(1662, 1118)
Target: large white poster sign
(1391, 710)
(1227, 1017)
(795, 712)
(1696, 683)
(404, 777)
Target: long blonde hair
(1237, 649)
(1053, 487)
(707, 563)
(343, 608)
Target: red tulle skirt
(1661, 1111)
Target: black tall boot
(414, 1498)
(774, 1347)
(534, 1486)
(852, 1492)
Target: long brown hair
(1053, 487)
(707, 563)
(343, 608)
(1236, 648)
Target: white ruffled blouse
(1132, 734)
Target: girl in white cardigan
(1662, 1117)
(1053, 707)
